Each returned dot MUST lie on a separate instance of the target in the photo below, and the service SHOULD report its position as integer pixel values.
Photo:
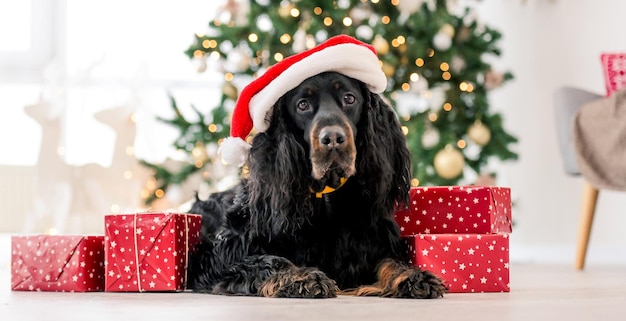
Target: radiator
(16, 196)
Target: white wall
(548, 44)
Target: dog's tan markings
(401, 281)
(351, 147)
(299, 283)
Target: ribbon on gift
(136, 249)
(169, 215)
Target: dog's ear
(279, 170)
(383, 159)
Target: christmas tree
(434, 54)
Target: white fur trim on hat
(234, 151)
(349, 59)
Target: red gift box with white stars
(57, 263)
(149, 251)
(468, 263)
(456, 209)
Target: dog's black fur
(272, 236)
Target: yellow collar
(327, 189)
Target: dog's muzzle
(333, 151)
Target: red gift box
(456, 209)
(149, 251)
(466, 262)
(57, 263)
(614, 68)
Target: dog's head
(327, 128)
(325, 110)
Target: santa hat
(342, 54)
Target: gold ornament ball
(381, 45)
(479, 133)
(449, 162)
(230, 90)
(388, 69)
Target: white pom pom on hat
(342, 54)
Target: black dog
(295, 227)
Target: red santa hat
(342, 54)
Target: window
(26, 38)
(87, 56)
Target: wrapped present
(614, 69)
(456, 209)
(57, 263)
(466, 262)
(149, 251)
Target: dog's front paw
(398, 280)
(299, 283)
(419, 284)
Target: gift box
(456, 209)
(149, 251)
(614, 69)
(57, 263)
(467, 263)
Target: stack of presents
(459, 233)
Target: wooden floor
(538, 292)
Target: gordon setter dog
(313, 218)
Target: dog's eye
(349, 99)
(303, 105)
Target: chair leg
(588, 208)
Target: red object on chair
(614, 68)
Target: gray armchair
(568, 101)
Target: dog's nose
(332, 137)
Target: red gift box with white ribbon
(456, 209)
(57, 263)
(149, 251)
(468, 263)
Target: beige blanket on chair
(600, 141)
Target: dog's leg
(274, 276)
(399, 280)
(299, 282)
